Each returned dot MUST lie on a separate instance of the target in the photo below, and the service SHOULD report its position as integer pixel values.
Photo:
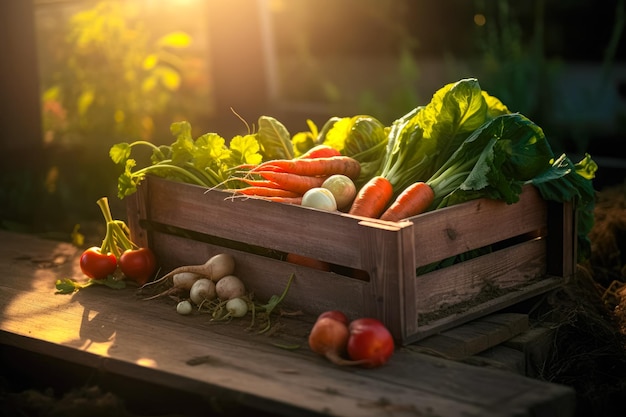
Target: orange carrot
(293, 182)
(321, 151)
(415, 199)
(313, 166)
(372, 198)
(261, 191)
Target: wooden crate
(532, 242)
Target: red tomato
(138, 264)
(97, 265)
(370, 340)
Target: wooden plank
(500, 357)
(536, 345)
(461, 228)
(508, 268)
(474, 337)
(280, 227)
(117, 332)
(485, 308)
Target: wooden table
(117, 333)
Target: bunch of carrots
(286, 180)
(376, 195)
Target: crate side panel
(485, 308)
(481, 278)
(330, 237)
(388, 256)
(311, 291)
(457, 229)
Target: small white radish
(184, 307)
(202, 290)
(237, 307)
(230, 287)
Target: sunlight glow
(480, 19)
(147, 362)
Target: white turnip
(230, 287)
(202, 290)
(237, 307)
(184, 307)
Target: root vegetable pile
(214, 288)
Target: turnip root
(217, 267)
(184, 307)
(182, 281)
(230, 287)
(202, 290)
(185, 280)
(237, 307)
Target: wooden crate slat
(485, 308)
(454, 230)
(474, 337)
(325, 236)
(510, 267)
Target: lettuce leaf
(567, 181)
(424, 139)
(495, 161)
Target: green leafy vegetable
(363, 138)
(566, 181)
(495, 161)
(69, 286)
(274, 139)
(206, 161)
(422, 140)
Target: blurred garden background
(78, 76)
